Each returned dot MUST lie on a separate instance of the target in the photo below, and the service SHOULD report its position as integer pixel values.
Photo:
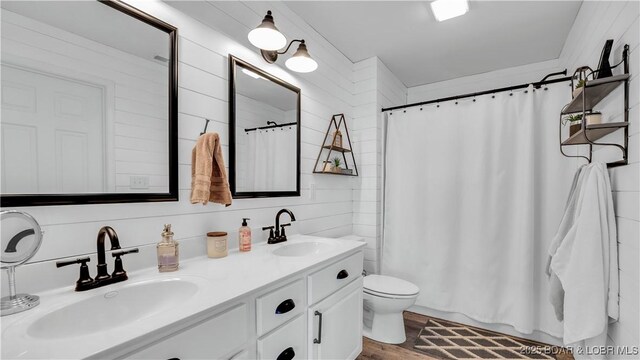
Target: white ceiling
(419, 50)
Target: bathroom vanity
(301, 299)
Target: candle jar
(217, 244)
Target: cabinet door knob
(285, 306)
(343, 274)
(287, 354)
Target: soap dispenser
(168, 254)
(244, 236)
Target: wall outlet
(139, 182)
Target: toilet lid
(389, 285)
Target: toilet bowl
(384, 300)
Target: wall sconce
(269, 40)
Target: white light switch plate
(139, 182)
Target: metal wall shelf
(592, 93)
(336, 125)
(593, 133)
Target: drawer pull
(285, 306)
(343, 274)
(318, 340)
(287, 354)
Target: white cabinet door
(212, 338)
(336, 324)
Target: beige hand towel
(208, 174)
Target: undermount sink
(111, 309)
(303, 249)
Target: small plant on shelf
(574, 121)
(580, 84)
(336, 165)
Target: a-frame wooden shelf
(338, 147)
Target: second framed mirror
(264, 133)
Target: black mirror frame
(11, 200)
(233, 63)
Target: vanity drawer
(212, 338)
(328, 280)
(279, 306)
(287, 342)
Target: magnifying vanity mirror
(264, 146)
(89, 104)
(20, 240)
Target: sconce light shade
(301, 61)
(267, 36)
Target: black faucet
(279, 235)
(85, 282)
(102, 261)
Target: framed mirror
(89, 104)
(264, 133)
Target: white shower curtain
(474, 192)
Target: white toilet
(385, 298)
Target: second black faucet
(279, 234)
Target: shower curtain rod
(275, 125)
(537, 85)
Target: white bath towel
(556, 294)
(584, 259)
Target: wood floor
(373, 350)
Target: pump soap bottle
(244, 236)
(168, 254)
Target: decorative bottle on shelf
(168, 254)
(337, 139)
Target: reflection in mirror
(265, 120)
(86, 103)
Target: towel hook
(205, 127)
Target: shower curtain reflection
(266, 154)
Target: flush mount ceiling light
(448, 9)
(269, 40)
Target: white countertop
(219, 282)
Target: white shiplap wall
(375, 87)
(596, 22)
(203, 83)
